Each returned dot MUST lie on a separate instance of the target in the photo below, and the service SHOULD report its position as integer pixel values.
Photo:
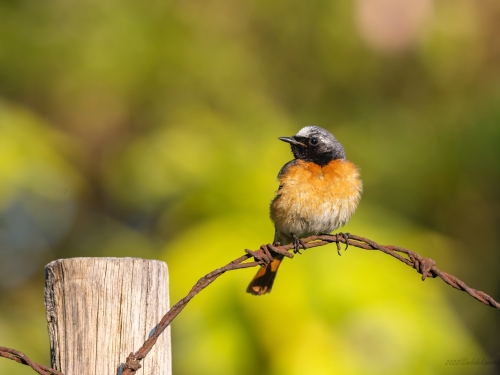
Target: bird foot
(297, 242)
(346, 237)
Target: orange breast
(314, 199)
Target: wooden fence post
(99, 310)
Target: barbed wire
(425, 266)
(19, 357)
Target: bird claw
(346, 239)
(297, 242)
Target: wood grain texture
(99, 310)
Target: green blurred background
(149, 129)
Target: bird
(319, 190)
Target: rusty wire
(19, 357)
(425, 266)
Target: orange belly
(314, 199)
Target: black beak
(292, 140)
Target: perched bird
(318, 192)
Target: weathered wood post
(99, 310)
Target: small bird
(318, 192)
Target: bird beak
(292, 141)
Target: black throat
(321, 155)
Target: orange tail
(262, 282)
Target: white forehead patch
(306, 131)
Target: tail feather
(262, 282)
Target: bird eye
(314, 141)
